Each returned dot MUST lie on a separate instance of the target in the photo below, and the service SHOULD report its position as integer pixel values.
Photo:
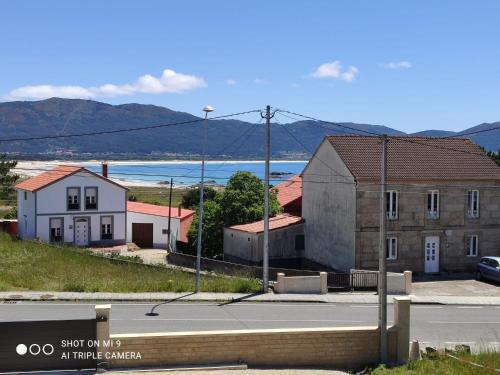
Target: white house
(147, 225)
(73, 205)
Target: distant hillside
(226, 138)
(435, 133)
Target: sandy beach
(32, 168)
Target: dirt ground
(459, 286)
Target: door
(81, 232)
(142, 234)
(431, 254)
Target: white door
(81, 232)
(431, 254)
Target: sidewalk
(352, 298)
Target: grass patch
(26, 265)
(157, 195)
(444, 365)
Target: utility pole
(265, 251)
(382, 270)
(207, 109)
(169, 214)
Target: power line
(124, 130)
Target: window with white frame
(392, 204)
(391, 248)
(433, 204)
(473, 203)
(73, 198)
(90, 198)
(56, 229)
(106, 227)
(472, 245)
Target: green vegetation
(444, 365)
(241, 202)
(157, 195)
(7, 192)
(28, 265)
(191, 199)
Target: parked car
(488, 268)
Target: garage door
(142, 234)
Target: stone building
(443, 204)
(244, 243)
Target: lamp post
(207, 110)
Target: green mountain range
(226, 138)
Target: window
(56, 229)
(106, 227)
(164, 231)
(433, 204)
(493, 263)
(299, 242)
(25, 195)
(473, 203)
(392, 205)
(472, 246)
(73, 198)
(391, 248)
(90, 198)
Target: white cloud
(231, 82)
(261, 81)
(398, 65)
(335, 70)
(169, 82)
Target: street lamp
(207, 109)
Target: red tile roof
(415, 158)
(56, 174)
(155, 210)
(47, 178)
(289, 190)
(279, 221)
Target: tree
(191, 198)
(241, 202)
(212, 235)
(7, 179)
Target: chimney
(104, 166)
(179, 211)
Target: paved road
(434, 325)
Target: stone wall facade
(412, 226)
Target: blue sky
(411, 65)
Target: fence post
(102, 316)
(402, 326)
(323, 278)
(408, 276)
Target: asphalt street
(447, 325)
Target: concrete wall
(249, 246)
(329, 208)
(302, 284)
(26, 214)
(412, 226)
(342, 347)
(159, 223)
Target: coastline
(32, 168)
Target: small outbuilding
(147, 225)
(244, 243)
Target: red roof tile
(47, 178)
(289, 190)
(415, 158)
(155, 210)
(279, 221)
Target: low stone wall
(399, 283)
(342, 347)
(302, 284)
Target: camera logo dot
(21, 349)
(35, 349)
